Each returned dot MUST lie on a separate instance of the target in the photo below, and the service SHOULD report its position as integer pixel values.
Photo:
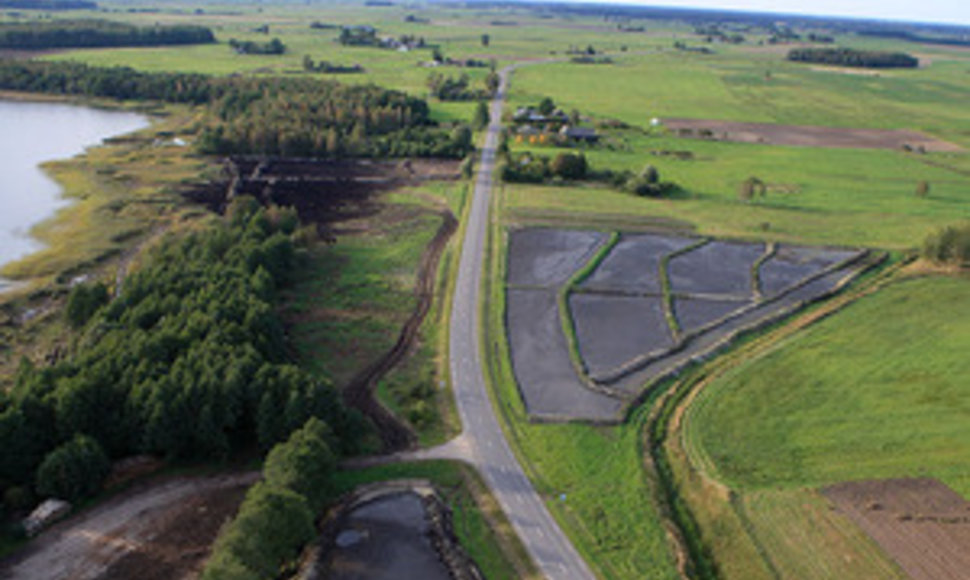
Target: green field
(876, 391)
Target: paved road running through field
(483, 441)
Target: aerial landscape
(428, 289)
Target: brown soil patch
(921, 523)
(154, 531)
(807, 135)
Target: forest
(189, 361)
(854, 58)
(37, 35)
(265, 116)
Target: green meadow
(877, 391)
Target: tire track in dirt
(395, 434)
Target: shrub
(950, 245)
(74, 470)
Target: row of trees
(853, 57)
(532, 168)
(448, 88)
(190, 361)
(276, 519)
(41, 34)
(274, 46)
(271, 116)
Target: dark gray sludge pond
(386, 539)
(622, 330)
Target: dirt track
(359, 393)
(808, 136)
(920, 523)
(159, 530)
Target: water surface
(30, 134)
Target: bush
(949, 246)
(74, 470)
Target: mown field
(877, 391)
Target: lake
(30, 134)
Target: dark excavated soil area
(696, 314)
(547, 257)
(634, 264)
(613, 330)
(921, 523)
(717, 268)
(540, 360)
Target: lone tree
(481, 119)
(486, 39)
(546, 106)
(569, 166)
(922, 188)
(650, 174)
(751, 187)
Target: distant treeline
(49, 5)
(916, 37)
(854, 58)
(270, 116)
(37, 35)
(189, 361)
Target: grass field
(877, 391)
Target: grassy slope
(877, 391)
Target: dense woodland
(267, 116)
(852, 57)
(189, 361)
(42, 34)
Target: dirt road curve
(483, 441)
(155, 531)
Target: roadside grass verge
(478, 521)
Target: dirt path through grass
(359, 393)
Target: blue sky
(945, 11)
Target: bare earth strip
(153, 531)
(811, 136)
(921, 523)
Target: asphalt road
(483, 439)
